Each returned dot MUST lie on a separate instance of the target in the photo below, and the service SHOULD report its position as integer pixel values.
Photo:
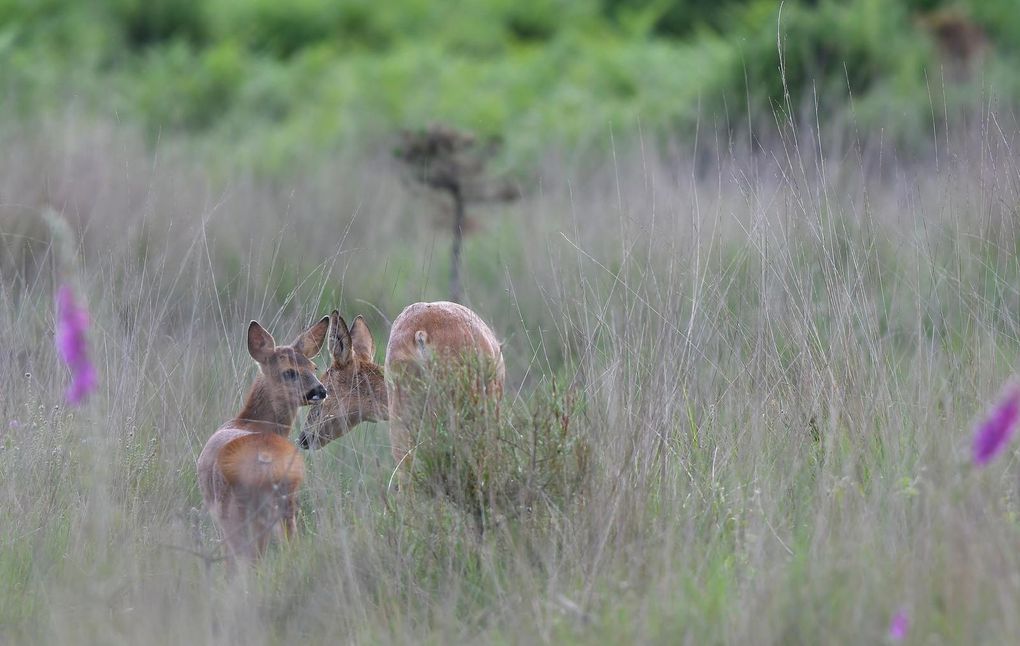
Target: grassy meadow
(779, 359)
(763, 329)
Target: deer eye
(290, 375)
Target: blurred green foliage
(280, 79)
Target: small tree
(453, 162)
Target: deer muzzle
(315, 395)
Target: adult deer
(424, 335)
(249, 472)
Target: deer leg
(289, 527)
(262, 540)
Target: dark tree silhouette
(453, 162)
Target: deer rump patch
(261, 461)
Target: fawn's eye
(290, 375)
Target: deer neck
(264, 413)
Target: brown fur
(249, 473)
(356, 386)
(357, 390)
(260, 460)
(425, 331)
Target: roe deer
(357, 392)
(249, 472)
(443, 331)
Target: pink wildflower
(899, 625)
(992, 435)
(72, 323)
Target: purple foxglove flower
(994, 432)
(72, 323)
(899, 625)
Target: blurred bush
(184, 87)
(495, 461)
(284, 79)
(282, 29)
(826, 52)
(672, 18)
(147, 22)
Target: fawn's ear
(260, 342)
(339, 339)
(310, 341)
(361, 339)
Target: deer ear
(260, 342)
(361, 339)
(339, 339)
(310, 341)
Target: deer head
(357, 390)
(287, 377)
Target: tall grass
(777, 350)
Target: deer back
(262, 461)
(427, 336)
(236, 457)
(449, 330)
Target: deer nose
(316, 394)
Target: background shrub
(496, 462)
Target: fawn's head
(288, 373)
(357, 391)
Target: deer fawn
(442, 331)
(249, 472)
